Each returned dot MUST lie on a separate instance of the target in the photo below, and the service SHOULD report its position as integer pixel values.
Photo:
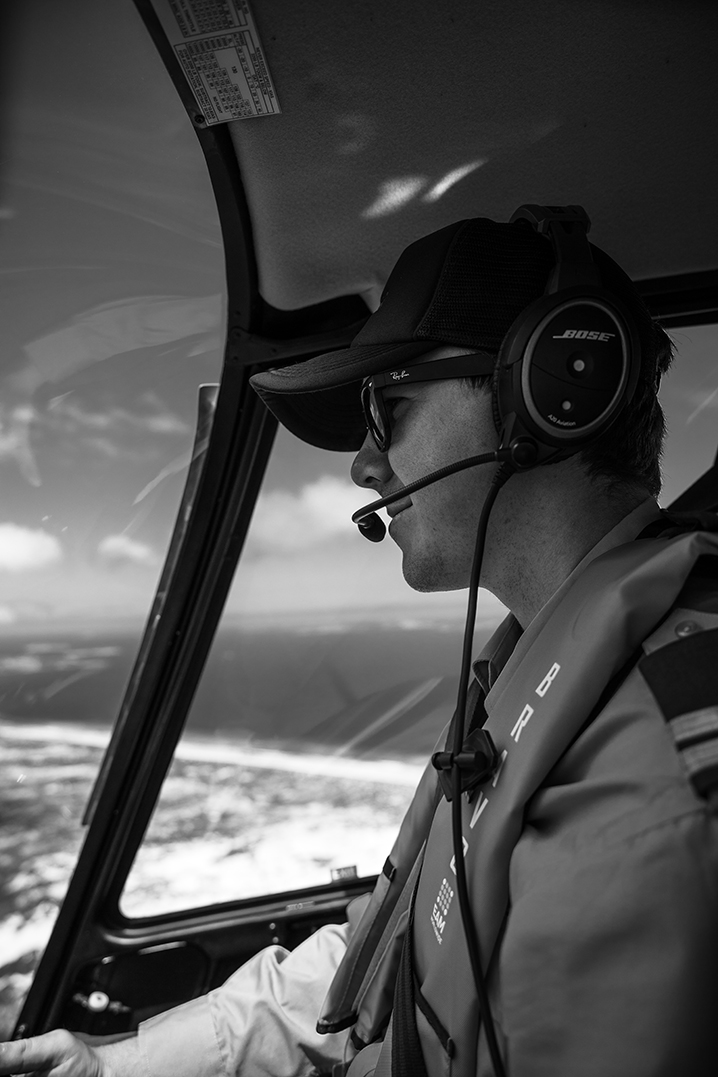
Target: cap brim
(318, 399)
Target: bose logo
(397, 375)
(582, 334)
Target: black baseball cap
(464, 284)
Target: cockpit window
(112, 316)
(689, 396)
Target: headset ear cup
(569, 362)
(576, 350)
(526, 451)
(498, 420)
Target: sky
(112, 305)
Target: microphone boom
(374, 529)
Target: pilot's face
(433, 424)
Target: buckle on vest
(478, 760)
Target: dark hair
(629, 453)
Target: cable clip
(478, 760)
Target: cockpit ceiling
(400, 116)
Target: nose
(371, 468)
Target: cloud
(15, 441)
(119, 549)
(285, 522)
(158, 421)
(22, 548)
(341, 583)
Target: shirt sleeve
(260, 1023)
(608, 964)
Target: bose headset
(567, 367)
(570, 362)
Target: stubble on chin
(427, 574)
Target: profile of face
(433, 424)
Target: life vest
(615, 606)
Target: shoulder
(680, 668)
(647, 751)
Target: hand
(64, 1054)
(56, 1054)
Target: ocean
(300, 755)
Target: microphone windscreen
(372, 527)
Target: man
(592, 848)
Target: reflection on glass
(689, 397)
(111, 264)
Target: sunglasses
(376, 413)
